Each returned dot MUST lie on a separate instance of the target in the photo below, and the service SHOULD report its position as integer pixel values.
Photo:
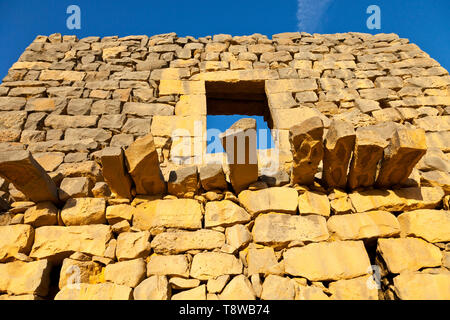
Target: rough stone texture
(307, 150)
(15, 239)
(278, 199)
(328, 261)
(431, 225)
(239, 142)
(212, 264)
(115, 172)
(339, 144)
(406, 148)
(101, 291)
(422, 286)
(28, 176)
(81, 211)
(181, 241)
(143, 166)
(224, 213)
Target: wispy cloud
(309, 14)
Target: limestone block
(263, 261)
(84, 271)
(173, 265)
(408, 254)
(115, 172)
(238, 236)
(198, 293)
(100, 291)
(84, 211)
(54, 241)
(212, 177)
(307, 150)
(405, 149)
(361, 288)
(209, 265)
(182, 241)
(143, 166)
(278, 288)
(324, 261)
(171, 213)
(25, 277)
(153, 288)
(313, 203)
(15, 239)
(278, 229)
(239, 142)
(28, 176)
(239, 288)
(183, 182)
(431, 225)
(42, 214)
(74, 188)
(366, 225)
(422, 286)
(224, 213)
(119, 212)
(128, 273)
(133, 245)
(50, 161)
(339, 144)
(167, 87)
(277, 199)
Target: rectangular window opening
(227, 102)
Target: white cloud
(309, 13)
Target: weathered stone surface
(181, 241)
(368, 151)
(406, 148)
(181, 283)
(408, 254)
(174, 265)
(422, 286)
(328, 261)
(100, 291)
(128, 273)
(239, 142)
(173, 213)
(133, 245)
(15, 239)
(339, 144)
(366, 225)
(12, 104)
(119, 212)
(143, 166)
(42, 214)
(198, 293)
(153, 288)
(212, 177)
(224, 213)
(28, 176)
(25, 277)
(431, 225)
(65, 121)
(277, 199)
(83, 271)
(50, 161)
(74, 188)
(183, 181)
(361, 288)
(84, 211)
(307, 150)
(279, 229)
(239, 288)
(278, 288)
(115, 172)
(314, 203)
(216, 285)
(56, 241)
(397, 200)
(263, 261)
(209, 265)
(238, 236)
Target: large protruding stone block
(143, 166)
(369, 146)
(307, 150)
(115, 172)
(406, 148)
(20, 168)
(239, 142)
(339, 144)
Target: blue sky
(425, 23)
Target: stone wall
(106, 182)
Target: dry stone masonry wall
(107, 192)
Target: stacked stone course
(105, 180)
